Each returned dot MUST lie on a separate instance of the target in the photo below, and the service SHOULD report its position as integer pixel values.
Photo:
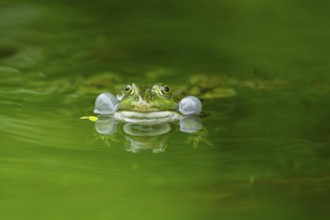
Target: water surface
(265, 153)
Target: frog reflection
(145, 136)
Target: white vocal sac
(190, 105)
(106, 103)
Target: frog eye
(128, 88)
(165, 88)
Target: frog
(137, 98)
(139, 104)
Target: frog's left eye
(165, 88)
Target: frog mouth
(147, 117)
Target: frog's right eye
(128, 88)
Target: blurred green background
(266, 152)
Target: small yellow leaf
(91, 118)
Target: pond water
(263, 151)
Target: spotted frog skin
(137, 104)
(140, 99)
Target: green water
(266, 150)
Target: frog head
(139, 99)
